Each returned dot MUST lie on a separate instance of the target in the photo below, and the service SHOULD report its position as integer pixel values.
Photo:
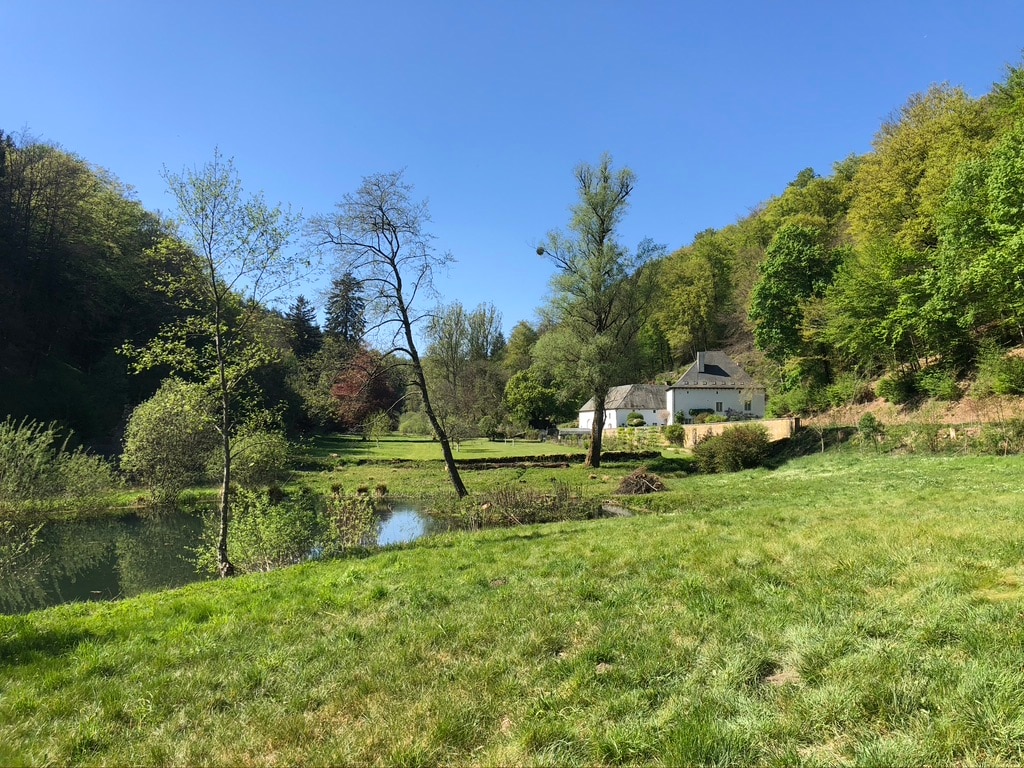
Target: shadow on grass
(22, 643)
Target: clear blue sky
(489, 106)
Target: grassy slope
(846, 608)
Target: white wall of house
(618, 417)
(718, 400)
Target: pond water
(124, 556)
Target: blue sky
(489, 106)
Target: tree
(229, 259)
(599, 290)
(306, 336)
(797, 267)
(529, 402)
(366, 382)
(463, 364)
(378, 234)
(520, 345)
(346, 318)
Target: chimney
(700, 362)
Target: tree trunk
(226, 568)
(596, 433)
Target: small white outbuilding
(646, 399)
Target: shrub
(170, 439)
(796, 401)
(940, 385)
(352, 520)
(259, 457)
(998, 373)
(1002, 438)
(898, 388)
(847, 389)
(742, 447)
(27, 460)
(414, 423)
(35, 465)
(635, 419)
(267, 534)
(676, 434)
(870, 428)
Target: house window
(748, 405)
(718, 406)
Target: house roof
(719, 372)
(635, 397)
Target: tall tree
(600, 289)
(346, 310)
(231, 257)
(378, 233)
(305, 334)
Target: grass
(843, 609)
(396, 448)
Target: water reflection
(127, 555)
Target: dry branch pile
(640, 481)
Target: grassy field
(394, 447)
(843, 609)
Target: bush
(259, 457)
(870, 428)
(742, 447)
(170, 439)
(1002, 438)
(792, 402)
(27, 460)
(941, 385)
(676, 434)
(265, 534)
(898, 388)
(35, 465)
(847, 389)
(635, 419)
(414, 423)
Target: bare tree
(378, 235)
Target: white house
(714, 382)
(646, 399)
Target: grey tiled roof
(636, 397)
(720, 371)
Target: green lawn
(846, 608)
(349, 448)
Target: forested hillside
(73, 288)
(905, 263)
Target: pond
(122, 556)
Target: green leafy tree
(379, 236)
(600, 289)
(231, 258)
(519, 349)
(899, 187)
(377, 426)
(463, 363)
(797, 267)
(529, 402)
